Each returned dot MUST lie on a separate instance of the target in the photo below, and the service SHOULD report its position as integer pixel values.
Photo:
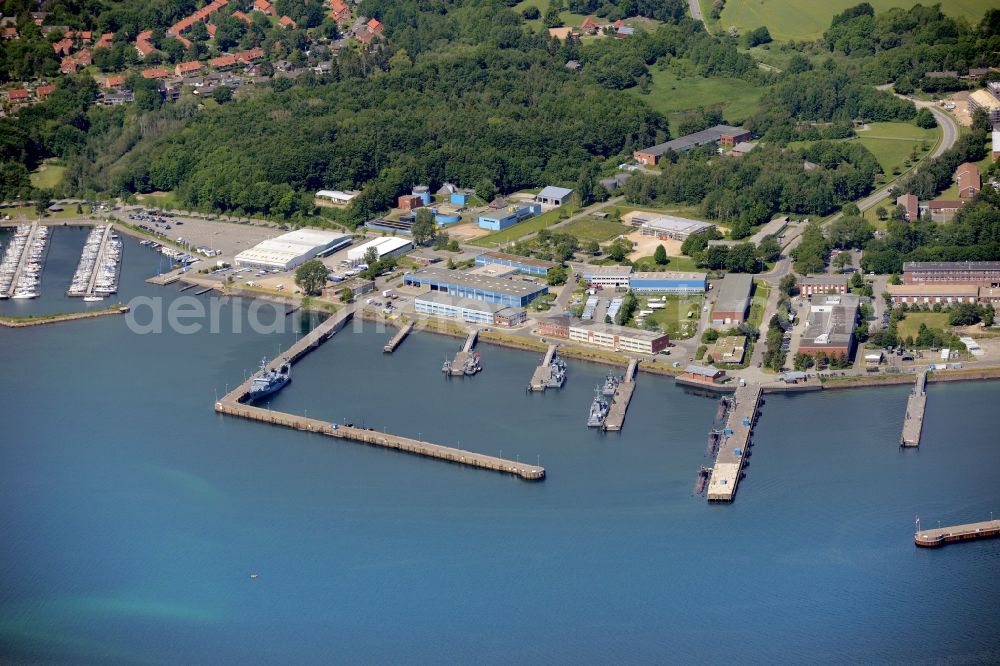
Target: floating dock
(621, 399)
(734, 444)
(398, 338)
(462, 358)
(936, 538)
(201, 292)
(542, 376)
(233, 404)
(916, 403)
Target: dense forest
(748, 191)
(464, 91)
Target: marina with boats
(23, 261)
(96, 275)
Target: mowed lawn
(48, 176)
(592, 229)
(893, 143)
(807, 19)
(520, 230)
(672, 94)
(911, 325)
(680, 264)
(672, 318)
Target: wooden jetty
(462, 357)
(734, 444)
(191, 285)
(916, 403)
(203, 291)
(543, 373)
(233, 404)
(398, 338)
(936, 538)
(621, 399)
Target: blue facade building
(509, 216)
(459, 198)
(668, 283)
(511, 293)
(525, 265)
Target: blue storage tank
(424, 193)
(446, 218)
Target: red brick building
(911, 204)
(982, 273)
(969, 182)
(822, 284)
(410, 202)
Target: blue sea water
(132, 515)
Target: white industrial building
(289, 250)
(337, 196)
(386, 246)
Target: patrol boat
(267, 381)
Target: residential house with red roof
(375, 26)
(143, 44)
(589, 26)
(41, 92)
(18, 96)
(68, 65)
(243, 17)
(339, 11)
(287, 22)
(84, 58)
(155, 73)
(911, 204)
(189, 67)
(105, 41)
(247, 57)
(969, 181)
(114, 81)
(64, 46)
(264, 7)
(212, 29)
(223, 62)
(10, 33)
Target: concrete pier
(936, 538)
(462, 357)
(373, 438)
(916, 403)
(621, 399)
(543, 373)
(734, 444)
(398, 338)
(233, 404)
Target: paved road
(695, 8)
(948, 126)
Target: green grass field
(28, 212)
(48, 176)
(679, 264)
(910, 325)
(672, 318)
(807, 19)
(590, 228)
(519, 230)
(759, 301)
(893, 143)
(673, 92)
